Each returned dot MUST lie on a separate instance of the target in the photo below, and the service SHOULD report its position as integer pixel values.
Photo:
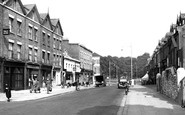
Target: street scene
(90, 57)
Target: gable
(47, 22)
(59, 29)
(33, 14)
(16, 5)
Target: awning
(145, 77)
(180, 74)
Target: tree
(123, 65)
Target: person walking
(48, 85)
(8, 91)
(77, 84)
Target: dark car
(99, 80)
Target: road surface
(95, 101)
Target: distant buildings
(32, 45)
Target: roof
(43, 15)
(54, 21)
(96, 55)
(29, 7)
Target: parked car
(99, 80)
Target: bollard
(8, 92)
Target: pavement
(25, 95)
(145, 100)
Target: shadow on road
(100, 110)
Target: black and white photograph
(92, 57)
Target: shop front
(69, 77)
(1, 75)
(86, 76)
(57, 75)
(14, 74)
(32, 72)
(46, 71)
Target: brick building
(32, 48)
(84, 55)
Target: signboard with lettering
(6, 31)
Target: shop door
(17, 78)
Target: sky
(114, 27)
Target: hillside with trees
(122, 66)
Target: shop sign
(6, 31)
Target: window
(19, 28)
(29, 32)
(54, 43)
(48, 40)
(57, 60)
(11, 24)
(60, 45)
(54, 59)
(35, 55)
(60, 61)
(30, 54)
(43, 38)
(43, 56)
(57, 44)
(35, 34)
(10, 50)
(18, 51)
(48, 57)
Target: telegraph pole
(109, 73)
(131, 63)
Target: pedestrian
(31, 84)
(48, 85)
(8, 91)
(77, 84)
(62, 84)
